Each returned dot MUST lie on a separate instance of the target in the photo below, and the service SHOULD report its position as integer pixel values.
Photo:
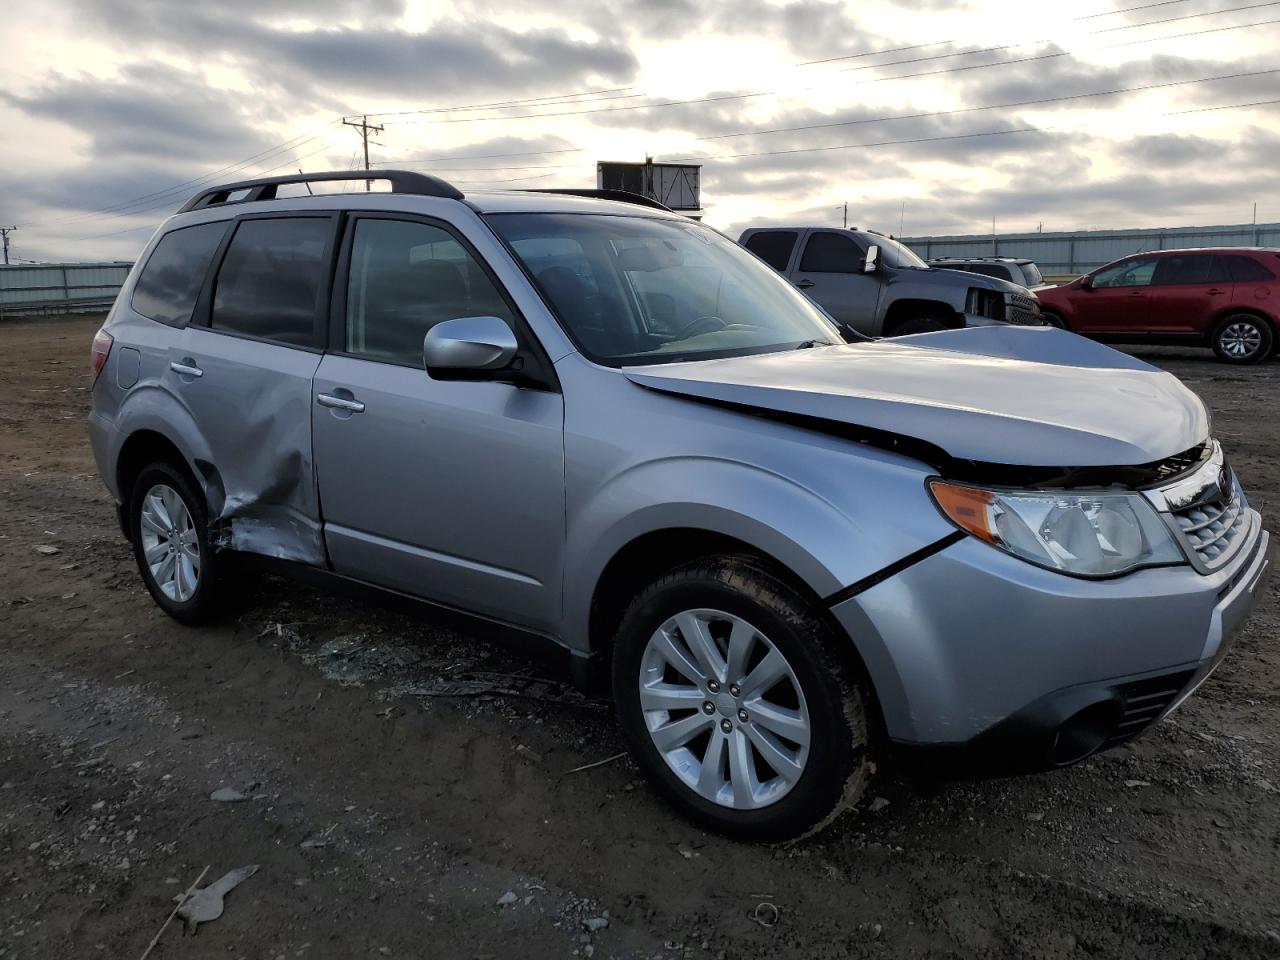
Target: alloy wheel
(1240, 339)
(170, 544)
(724, 709)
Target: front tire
(1242, 338)
(737, 705)
(169, 527)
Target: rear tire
(169, 527)
(1242, 338)
(768, 739)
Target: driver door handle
(186, 369)
(339, 403)
(804, 284)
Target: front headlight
(1086, 534)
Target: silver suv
(600, 424)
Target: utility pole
(364, 126)
(4, 234)
(846, 214)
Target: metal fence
(36, 289)
(1071, 254)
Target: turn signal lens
(99, 352)
(968, 508)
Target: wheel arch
(909, 308)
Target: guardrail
(41, 289)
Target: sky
(929, 117)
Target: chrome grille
(1211, 528)
(1022, 309)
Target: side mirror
(469, 343)
(872, 263)
(1085, 283)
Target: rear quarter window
(1247, 270)
(174, 273)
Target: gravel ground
(408, 787)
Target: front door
(1118, 299)
(448, 490)
(830, 272)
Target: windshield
(899, 255)
(637, 290)
(1033, 274)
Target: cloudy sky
(927, 117)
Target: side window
(773, 247)
(831, 253)
(270, 283)
(405, 278)
(1246, 269)
(1185, 268)
(174, 273)
(1131, 273)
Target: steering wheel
(697, 326)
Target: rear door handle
(1136, 293)
(804, 284)
(1214, 291)
(187, 368)
(339, 403)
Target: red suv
(1228, 299)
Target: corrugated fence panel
(1061, 254)
(32, 289)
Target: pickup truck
(875, 285)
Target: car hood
(984, 282)
(1005, 395)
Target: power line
(994, 106)
(891, 117)
(721, 98)
(259, 157)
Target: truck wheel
(1242, 338)
(925, 324)
(736, 703)
(168, 524)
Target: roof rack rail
(622, 196)
(402, 181)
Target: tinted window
(270, 282)
(405, 278)
(1246, 269)
(773, 247)
(1131, 273)
(173, 275)
(1199, 268)
(991, 270)
(831, 253)
(1033, 274)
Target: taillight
(99, 352)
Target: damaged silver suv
(601, 424)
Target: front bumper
(986, 664)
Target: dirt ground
(393, 803)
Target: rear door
(774, 247)
(450, 490)
(830, 271)
(1187, 289)
(1117, 300)
(244, 370)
